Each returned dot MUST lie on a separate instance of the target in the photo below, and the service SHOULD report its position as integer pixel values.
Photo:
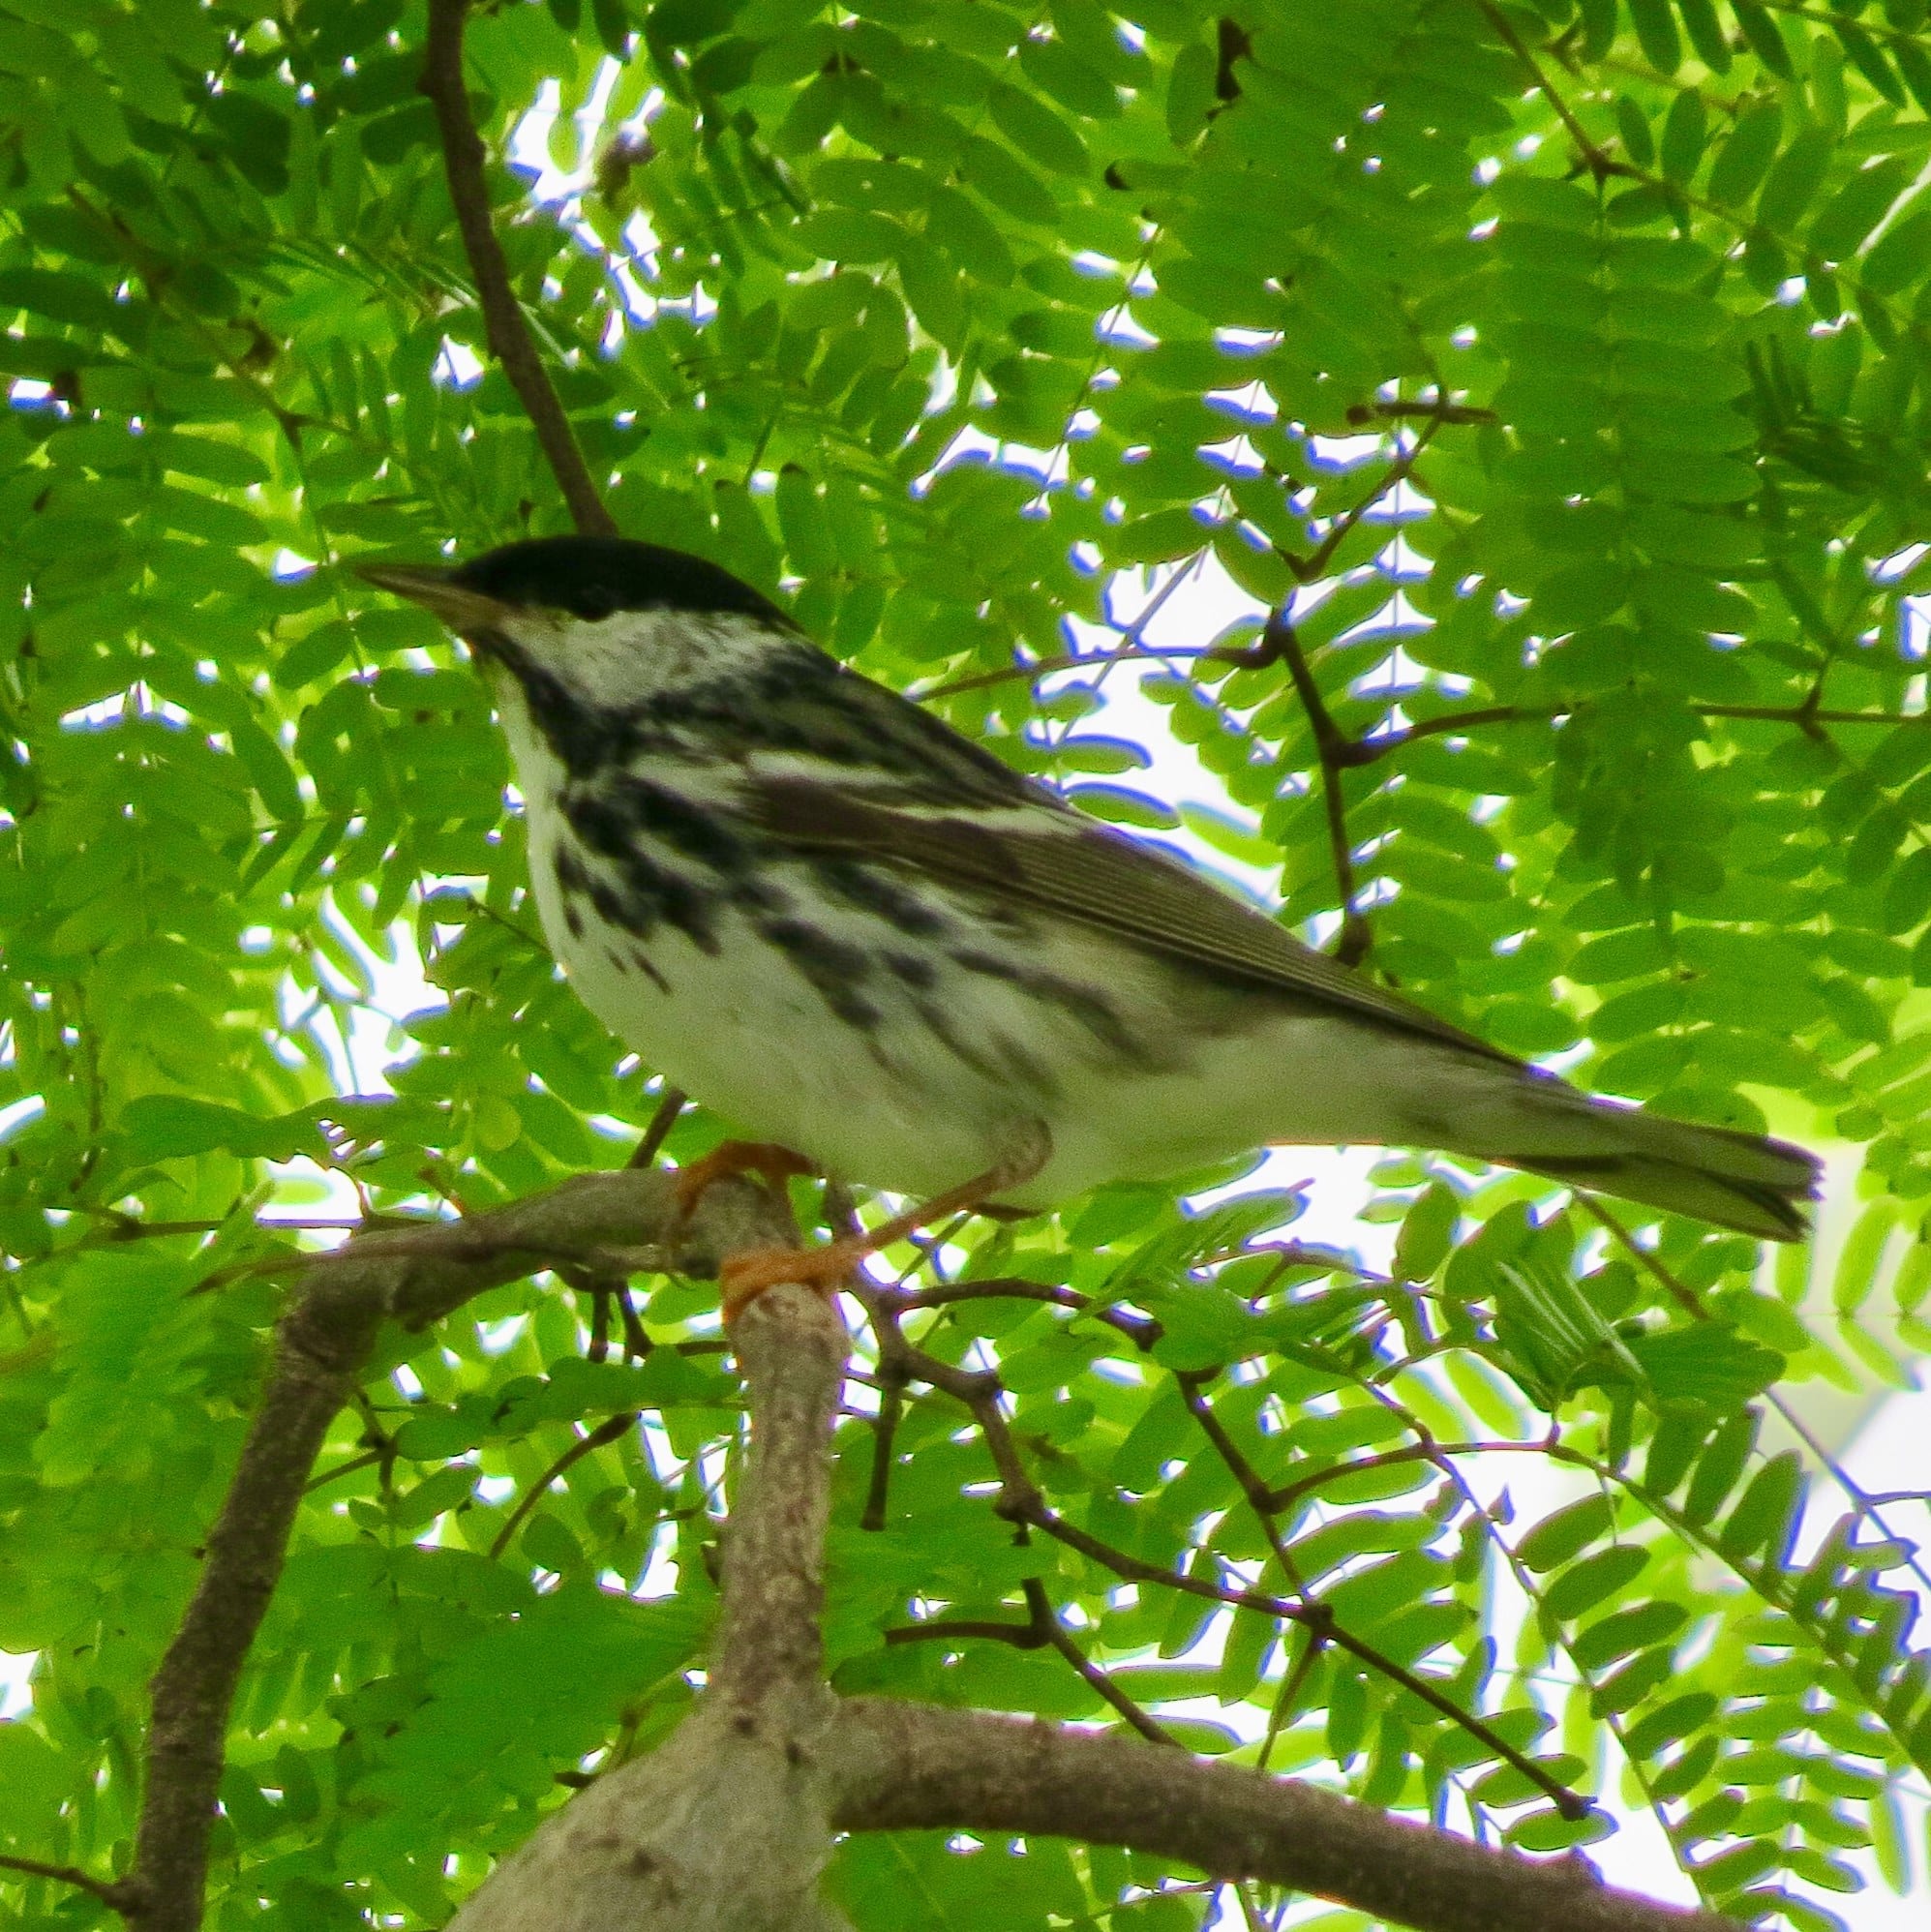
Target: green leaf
(1428, 1232)
(1765, 1519)
(1705, 30)
(1765, 39)
(1068, 79)
(1656, 29)
(1036, 130)
(1746, 157)
(1708, 1364)
(1584, 1585)
(1190, 93)
(1685, 135)
(160, 1126)
(1558, 1538)
(1795, 179)
(1900, 255)
(1720, 1466)
(312, 658)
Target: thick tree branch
(791, 1354)
(725, 1825)
(728, 1823)
(914, 1767)
(508, 333)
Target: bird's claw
(772, 1162)
(743, 1277)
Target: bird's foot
(745, 1277)
(773, 1164)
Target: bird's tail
(1741, 1181)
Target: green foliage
(1565, 365)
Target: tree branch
(613, 1429)
(414, 1276)
(107, 1890)
(728, 1823)
(508, 332)
(1141, 1330)
(1805, 716)
(1315, 1616)
(913, 1768)
(793, 1359)
(1331, 745)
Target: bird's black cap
(593, 577)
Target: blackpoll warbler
(855, 933)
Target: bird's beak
(465, 612)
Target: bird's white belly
(742, 1031)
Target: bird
(891, 959)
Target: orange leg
(745, 1277)
(773, 1164)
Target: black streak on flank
(573, 883)
(914, 970)
(653, 892)
(833, 968)
(867, 889)
(658, 811)
(1080, 1002)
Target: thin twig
(1367, 750)
(366, 1461)
(1291, 1683)
(1041, 1631)
(1311, 568)
(1027, 1636)
(1060, 1639)
(1141, 1330)
(613, 1429)
(885, 1431)
(1129, 648)
(1020, 1502)
(1317, 1617)
(1193, 1392)
(505, 326)
(109, 1892)
(1287, 1494)
(1330, 745)
(1593, 156)
(1686, 1298)
(659, 1131)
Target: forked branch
(413, 1276)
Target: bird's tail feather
(1741, 1181)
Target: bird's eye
(595, 603)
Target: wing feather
(1040, 852)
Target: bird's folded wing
(1043, 855)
